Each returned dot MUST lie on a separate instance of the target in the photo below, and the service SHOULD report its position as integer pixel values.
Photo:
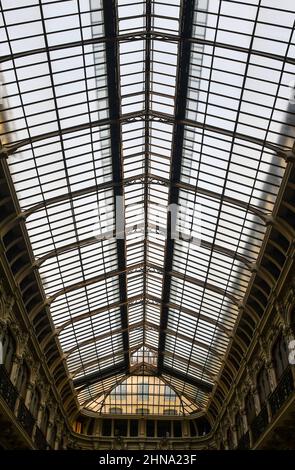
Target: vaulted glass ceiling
(113, 111)
(144, 395)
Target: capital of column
(21, 338)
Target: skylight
(120, 111)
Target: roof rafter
(141, 35)
(186, 378)
(94, 377)
(9, 149)
(110, 25)
(186, 25)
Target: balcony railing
(259, 423)
(7, 390)
(282, 392)
(274, 403)
(25, 418)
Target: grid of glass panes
(145, 156)
(53, 101)
(192, 397)
(145, 395)
(233, 181)
(230, 169)
(92, 396)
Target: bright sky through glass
(238, 114)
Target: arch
(250, 409)
(8, 351)
(35, 402)
(263, 385)
(22, 380)
(279, 356)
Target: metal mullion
(49, 122)
(242, 166)
(46, 164)
(154, 114)
(244, 146)
(262, 7)
(244, 112)
(57, 72)
(173, 197)
(94, 170)
(71, 202)
(50, 99)
(132, 52)
(154, 49)
(22, 102)
(281, 74)
(110, 23)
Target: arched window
(263, 385)
(9, 347)
(280, 356)
(250, 408)
(239, 426)
(23, 380)
(35, 403)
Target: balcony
(282, 392)
(273, 405)
(7, 390)
(259, 423)
(25, 418)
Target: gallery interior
(147, 225)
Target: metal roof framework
(114, 110)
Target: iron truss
(169, 105)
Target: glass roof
(114, 113)
(144, 395)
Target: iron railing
(273, 404)
(260, 423)
(282, 392)
(7, 390)
(25, 417)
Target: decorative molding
(6, 305)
